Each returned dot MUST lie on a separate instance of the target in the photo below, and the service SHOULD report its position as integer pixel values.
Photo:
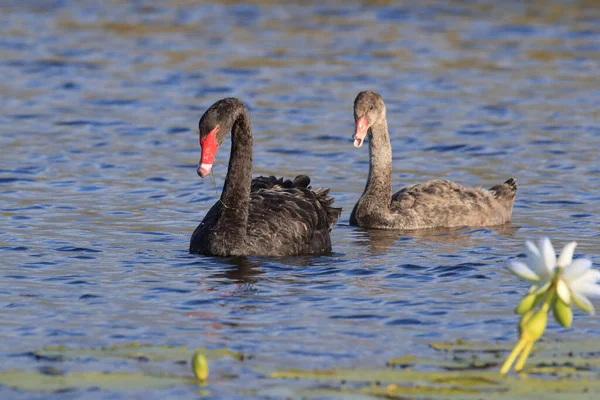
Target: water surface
(99, 194)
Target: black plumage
(264, 216)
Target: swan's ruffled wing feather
(285, 218)
(444, 203)
(290, 221)
(270, 182)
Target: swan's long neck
(379, 183)
(232, 220)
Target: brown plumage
(437, 203)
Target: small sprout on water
(200, 366)
(557, 284)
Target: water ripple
(99, 192)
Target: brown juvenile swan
(260, 217)
(437, 203)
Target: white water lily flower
(542, 265)
(578, 282)
(557, 283)
(575, 282)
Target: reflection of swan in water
(246, 271)
(242, 271)
(376, 240)
(380, 240)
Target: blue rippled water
(99, 193)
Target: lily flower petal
(548, 255)
(563, 291)
(566, 256)
(577, 269)
(592, 276)
(535, 258)
(522, 271)
(585, 284)
(583, 303)
(531, 248)
(586, 289)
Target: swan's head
(369, 109)
(214, 126)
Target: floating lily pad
(50, 379)
(442, 385)
(132, 351)
(555, 358)
(34, 381)
(455, 365)
(388, 375)
(590, 346)
(460, 370)
(471, 347)
(468, 370)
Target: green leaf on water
(477, 347)
(34, 381)
(133, 351)
(458, 370)
(466, 370)
(403, 384)
(457, 363)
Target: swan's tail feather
(506, 191)
(333, 213)
(512, 182)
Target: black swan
(437, 203)
(264, 216)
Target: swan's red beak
(360, 131)
(209, 147)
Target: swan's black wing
(270, 182)
(290, 221)
(285, 218)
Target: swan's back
(290, 221)
(285, 218)
(269, 182)
(441, 203)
